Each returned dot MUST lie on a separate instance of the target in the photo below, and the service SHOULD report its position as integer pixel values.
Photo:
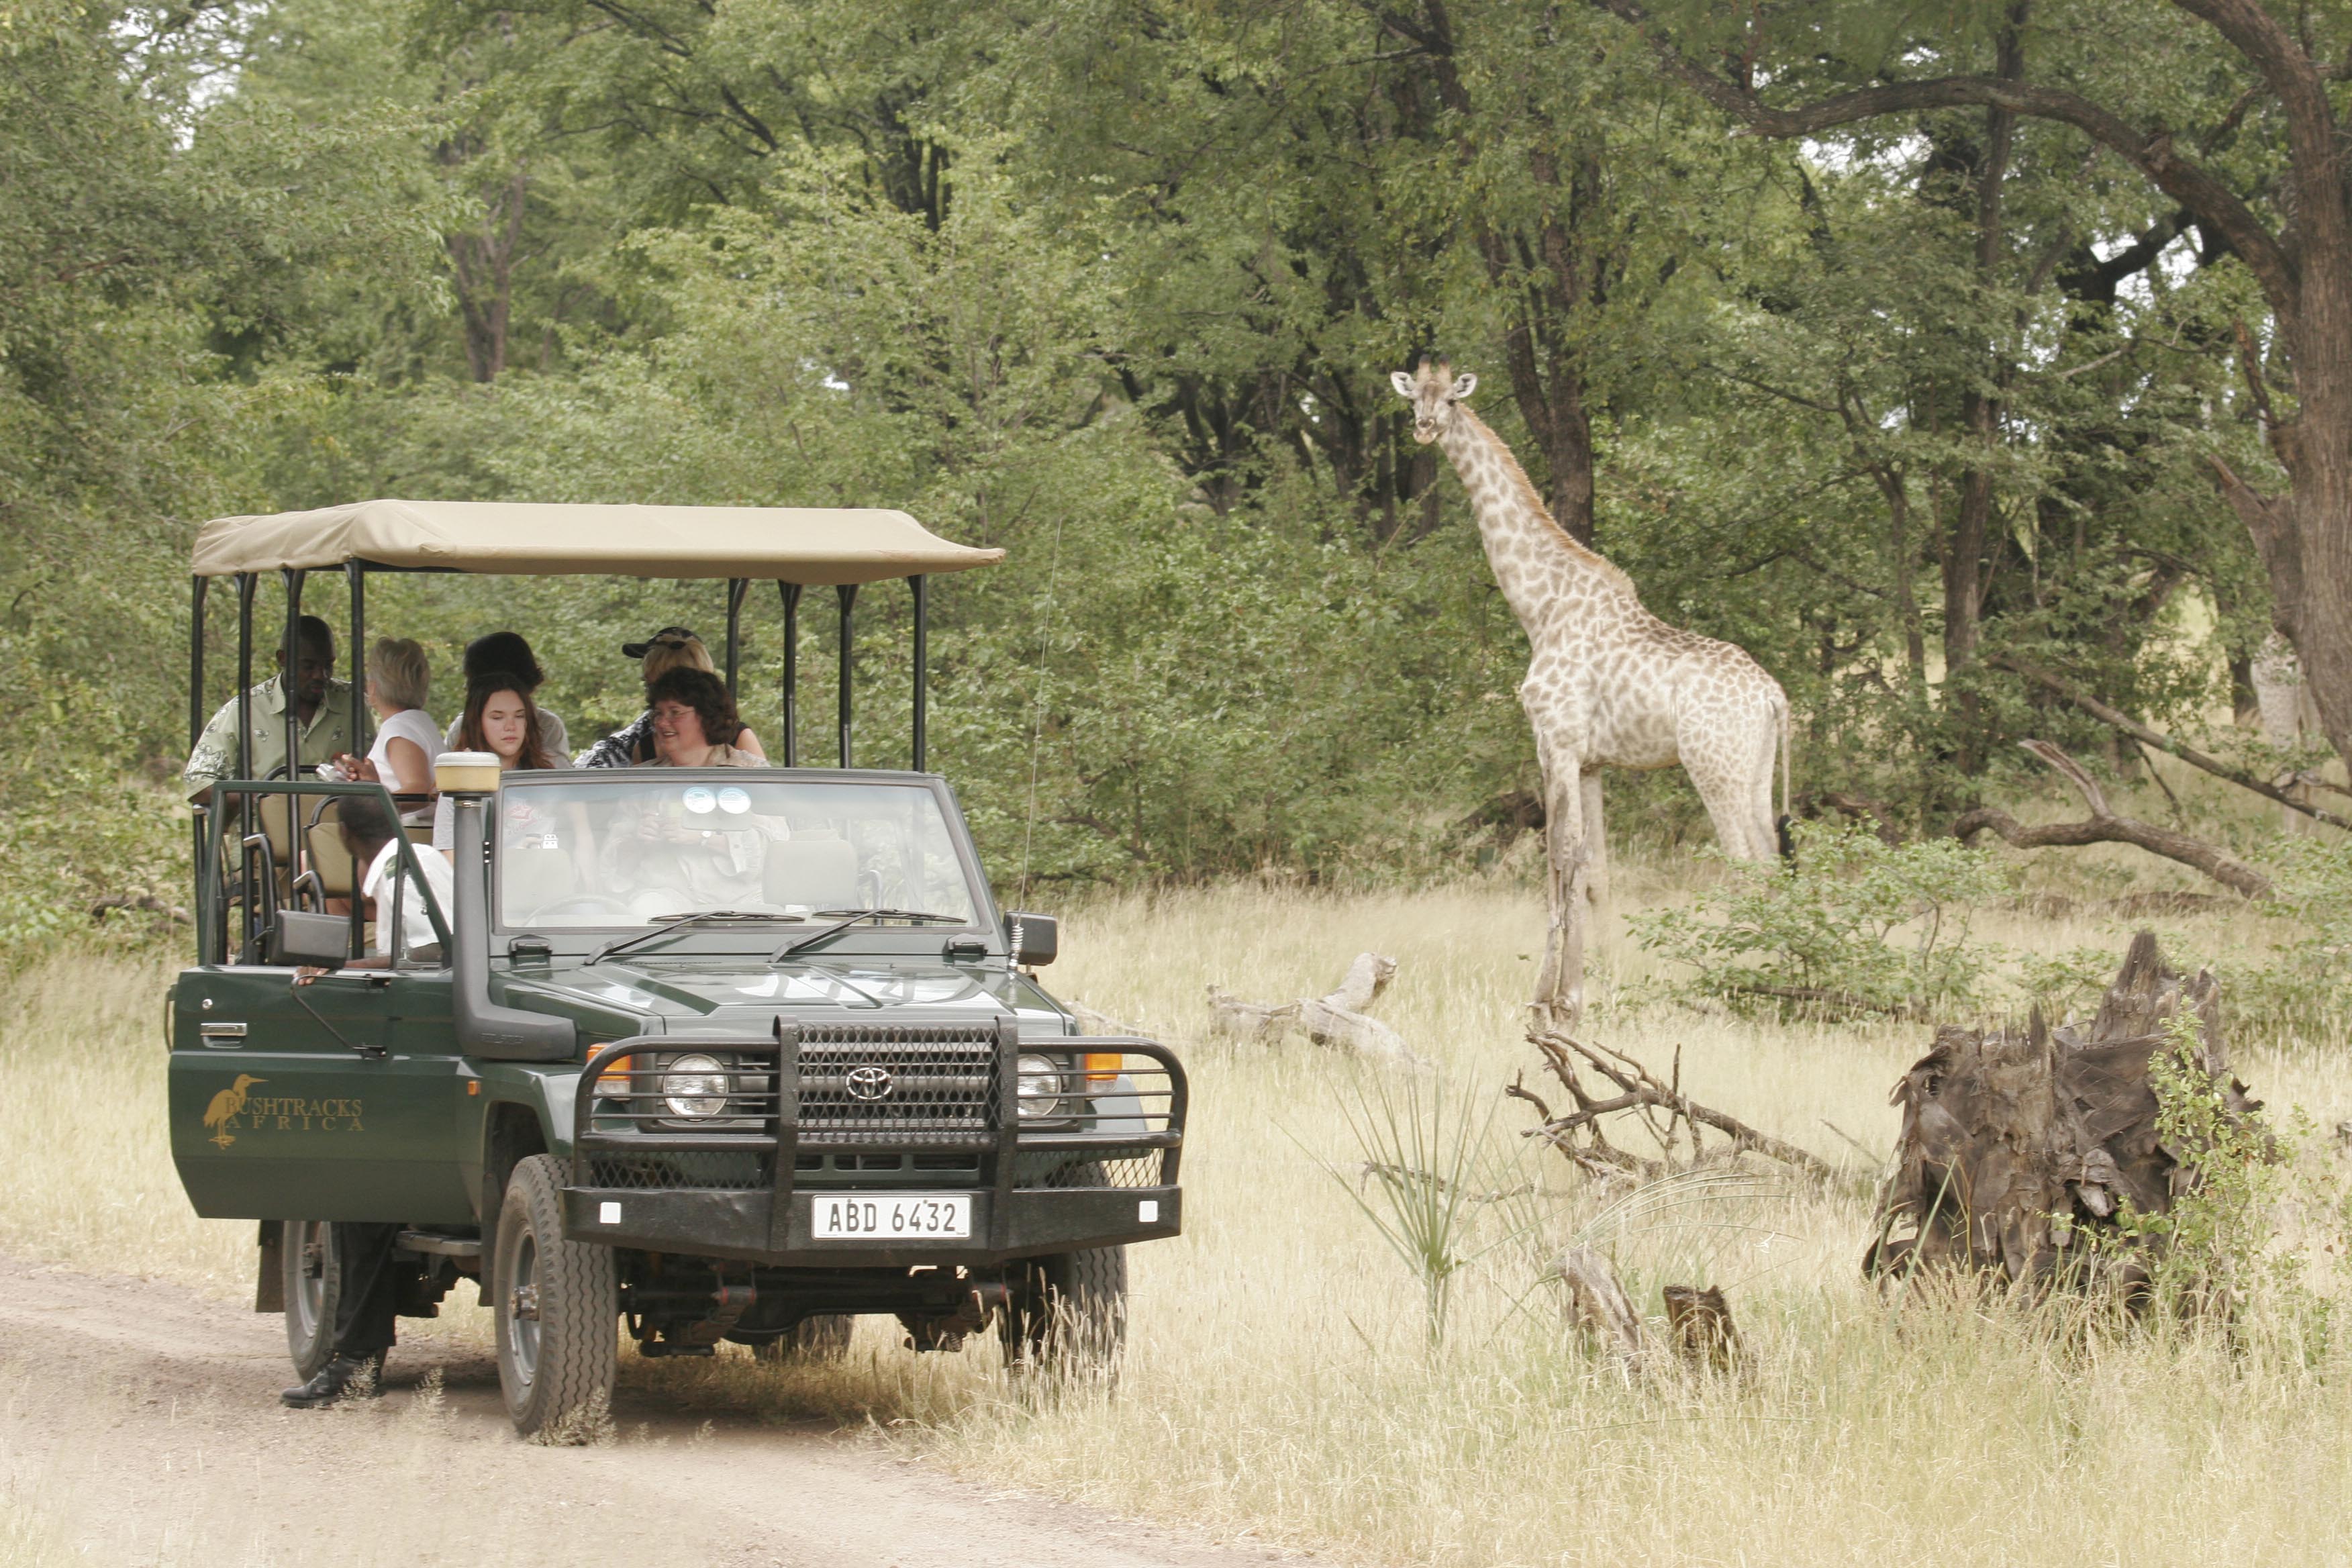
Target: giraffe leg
(1560, 987)
(1729, 808)
(1596, 845)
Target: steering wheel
(580, 904)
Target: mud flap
(269, 1285)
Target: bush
(2306, 992)
(1848, 925)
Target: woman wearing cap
(672, 647)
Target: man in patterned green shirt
(322, 705)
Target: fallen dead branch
(2107, 827)
(1336, 1020)
(146, 903)
(1668, 1115)
(1598, 1304)
(2117, 720)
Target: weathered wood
(2105, 827)
(1336, 1020)
(1597, 1304)
(2015, 1145)
(147, 903)
(1578, 1133)
(1698, 1327)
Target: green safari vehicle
(719, 1054)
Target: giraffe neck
(1539, 567)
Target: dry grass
(1278, 1383)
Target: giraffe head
(1432, 390)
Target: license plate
(928, 1216)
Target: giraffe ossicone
(1608, 685)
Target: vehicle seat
(813, 873)
(328, 859)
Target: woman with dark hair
(499, 719)
(507, 654)
(695, 723)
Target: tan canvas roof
(796, 544)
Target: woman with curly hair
(695, 724)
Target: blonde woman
(672, 647)
(399, 682)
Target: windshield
(632, 847)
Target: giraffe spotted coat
(1608, 684)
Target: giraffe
(1608, 684)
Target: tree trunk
(1980, 417)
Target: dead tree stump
(2003, 1131)
(1698, 1325)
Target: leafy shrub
(72, 831)
(2214, 1247)
(2306, 992)
(1851, 924)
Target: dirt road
(142, 1423)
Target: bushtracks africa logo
(236, 1109)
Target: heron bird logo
(224, 1108)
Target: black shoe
(342, 1377)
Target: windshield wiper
(673, 924)
(856, 916)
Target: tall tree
(2281, 205)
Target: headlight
(694, 1086)
(1038, 1091)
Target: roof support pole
(289, 676)
(790, 594)
(921, 586)
(848, 596)
(362, 740)
(246, 583)
(736, 588)
(290, 665)
(197, 589)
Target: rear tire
(1068, 1312)
(557, 1303)
(314, 1288)
(811, 1341)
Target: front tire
(1068, 1312)
(313, 1287)
(556, 1302)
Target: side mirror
(1034, 939)
(302, 937)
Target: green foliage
(1849, 924)
(1120, 293)
(2214, 1247)
(2304, 993)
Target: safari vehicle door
(334, 1100)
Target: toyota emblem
(869, 1083)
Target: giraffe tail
(1780, 824)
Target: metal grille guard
(770, 1123)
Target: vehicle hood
(734, 995)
